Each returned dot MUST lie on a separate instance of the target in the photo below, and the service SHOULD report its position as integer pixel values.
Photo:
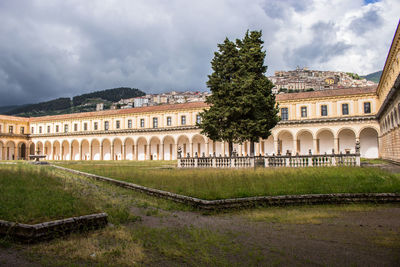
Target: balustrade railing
(310, 160)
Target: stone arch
(184, 144)
(10, 151)
(369, 145)
(142, 148)
(2, 150)
(22, 150)
(169, 147)
(129, 148)
(106, 145)
(47, 150)
(85, 150)
(117, 154)
(347, 140)
(285, 142)
(199, 145)
(32, 149)
(96, 153)
(39, 148)
(154, 147)
(56, 150)
(325, 141)
(304, 142)
(75, 150)
(65, 153)
(269, 145)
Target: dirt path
(12, 257)
(366, 238)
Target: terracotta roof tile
(327, 93)
(121, 111)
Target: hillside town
(300, 79)
(172, 97)
(303, 79)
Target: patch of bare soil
(12, 257)
(365, 238)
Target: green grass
(32, 194)
(221, 184)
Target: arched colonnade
(165, 147)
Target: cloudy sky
(51, 48)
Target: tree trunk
(230, 148)
(252, 149)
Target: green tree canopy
(242, 106)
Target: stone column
(191, 150)
(148, 151)
(257, 149)
(175, 152)
(80, 151)
(294, 152)
(70, 151)
(240, 149)
(15, 152)
(101, 152)
(276, 146)
(315, 146)
(207, 150)
(90, 151)
(112, 152)
(162, 151)
(123, 152)
(136, 152)
(336, 145)
(223, 148)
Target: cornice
(111, 132)
(390, 57)
(336, 119)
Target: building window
(22, 130)
(65, 128)
(367, 107)
(95, 125)
(0, 128)
(284, 114)
(85, 126)
(183, 120)
(198, 119)
(48, 128)
(106, 125)
(169, 121)
(155, 122)
(345, 109)
(303, 112)
(117, 124)
(10, 129)
(129, 124)
(75, 127)
(57, 128)
(324, 110)
(32, 130)
(40, 129)
(142, 123)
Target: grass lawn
(220, 183)
(32, 194)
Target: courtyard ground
(154, 232)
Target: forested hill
(375, 76)
(80, 103)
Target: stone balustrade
(266, 161)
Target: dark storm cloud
(323, 47)
(369, 20)
(51, 48)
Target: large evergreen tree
(242, 107)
